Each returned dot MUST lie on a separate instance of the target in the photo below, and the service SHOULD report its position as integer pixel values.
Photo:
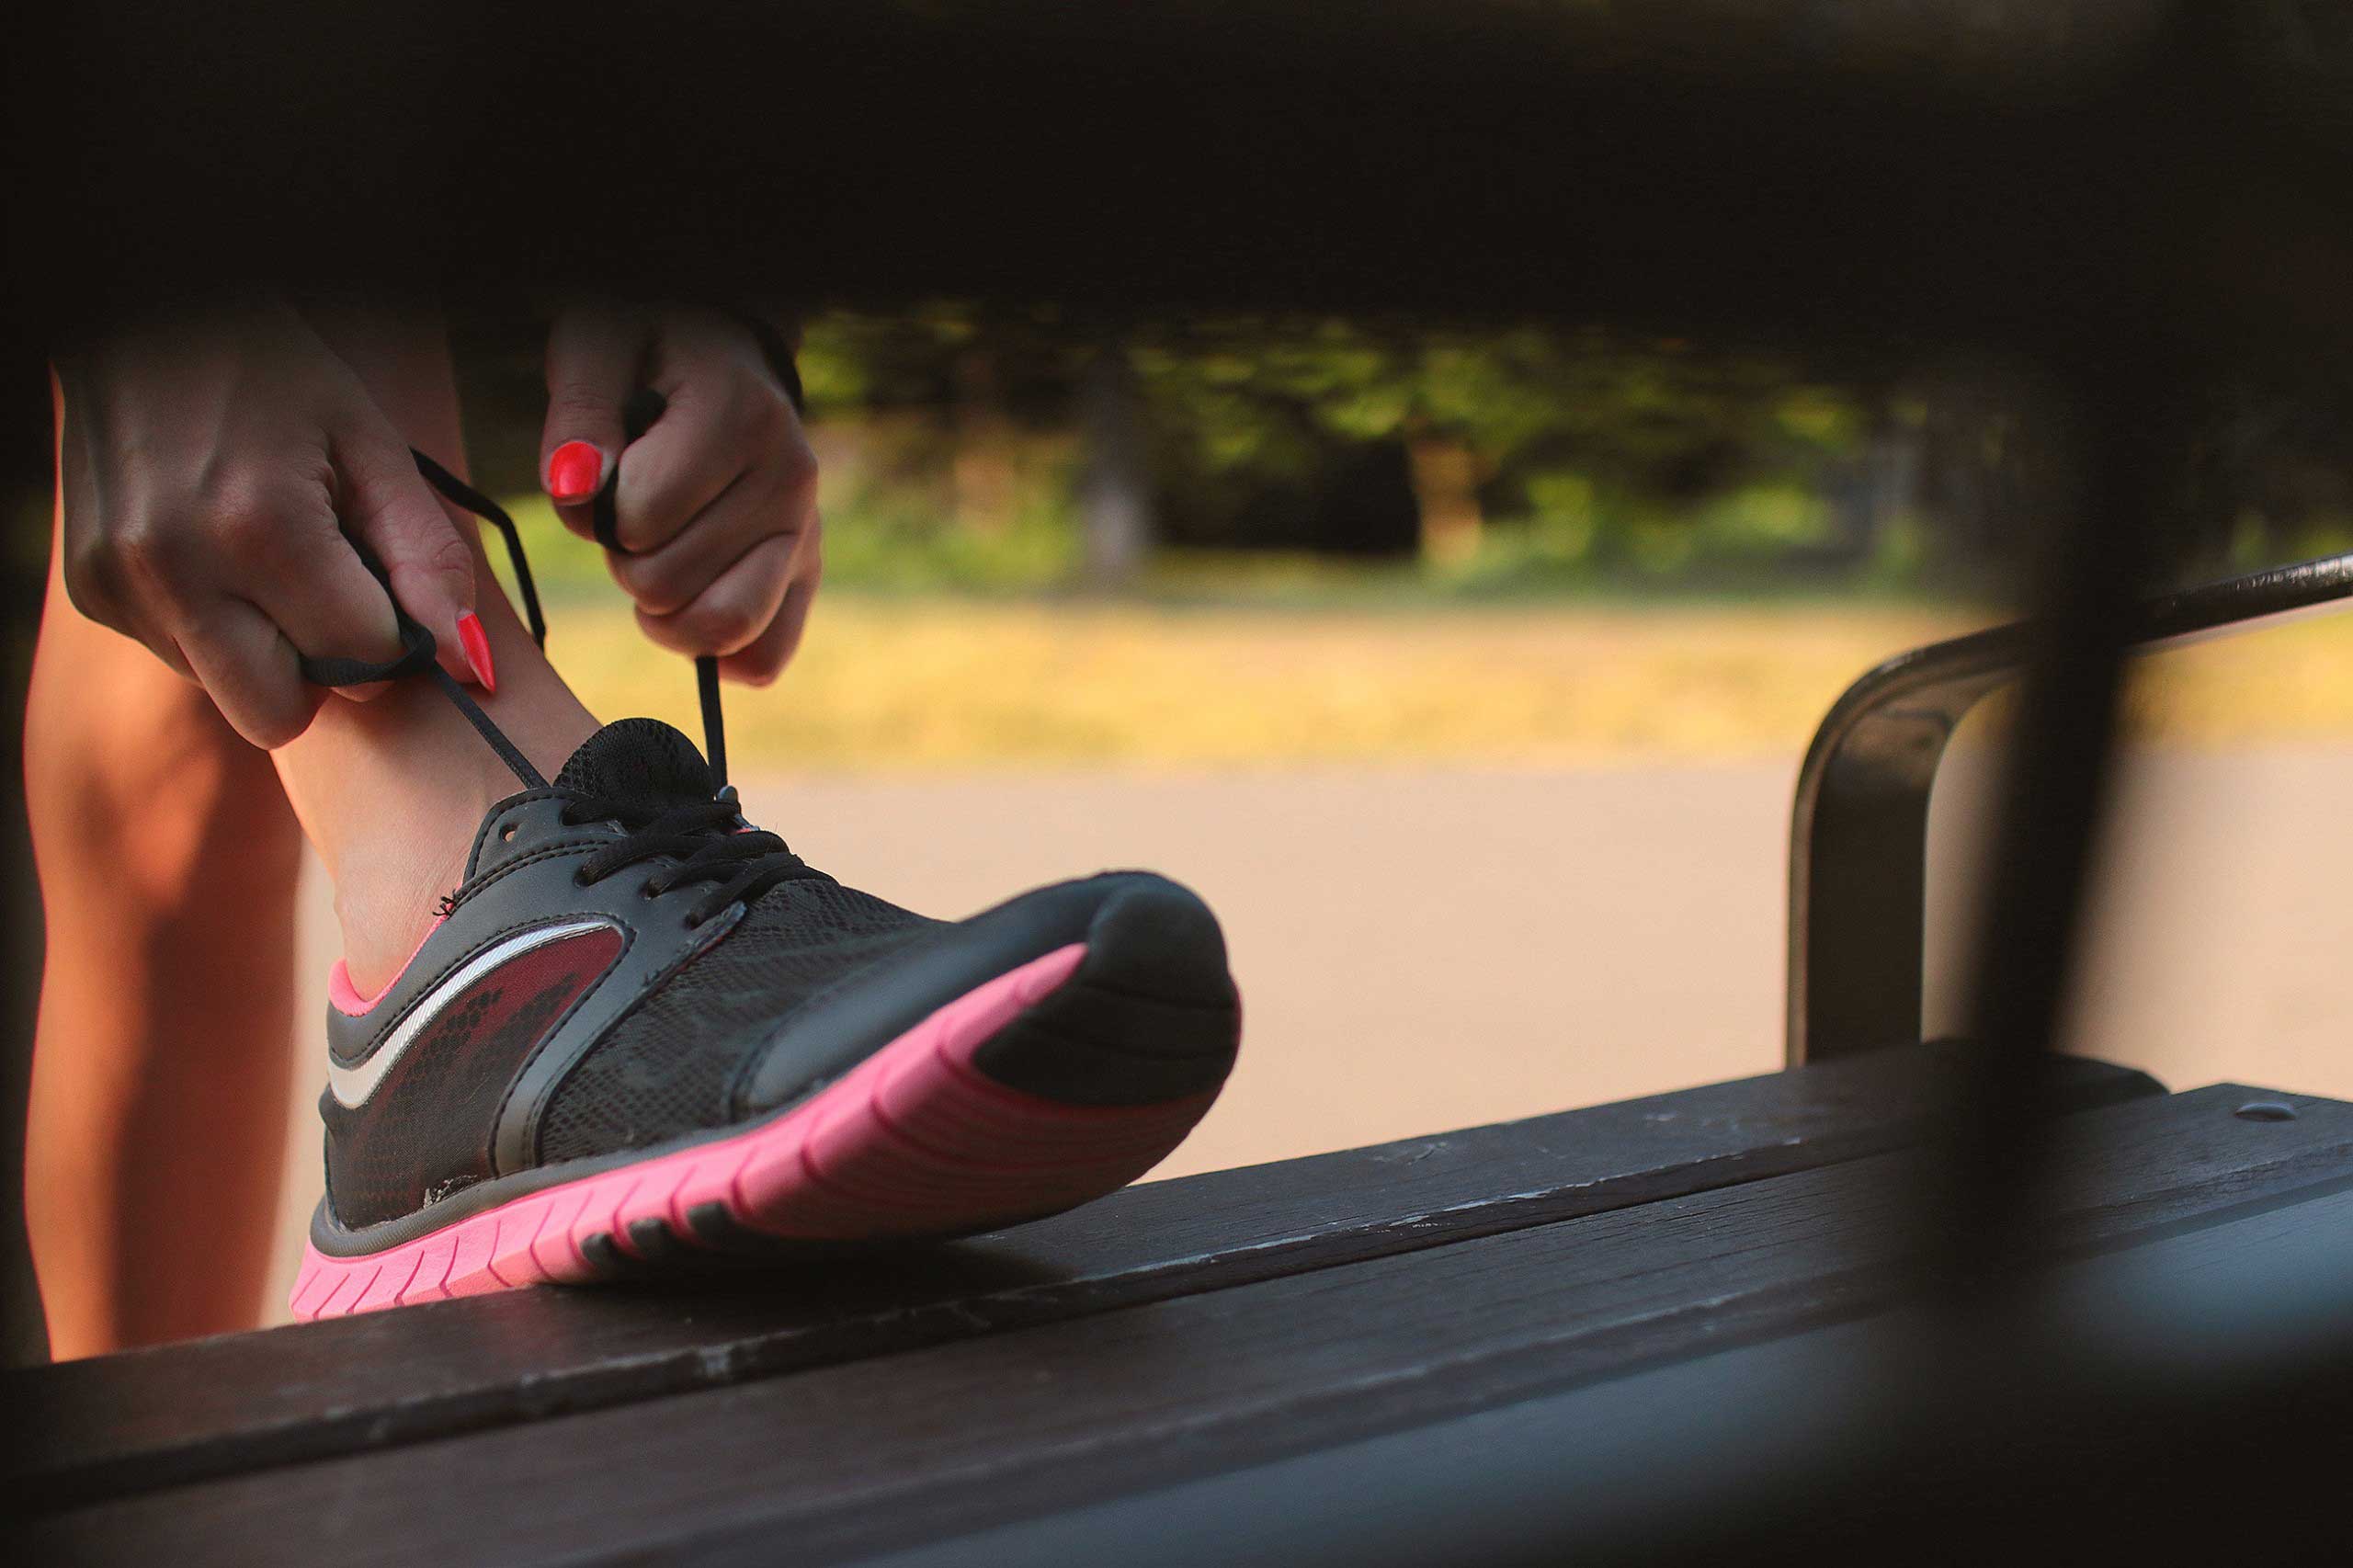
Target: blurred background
(1467, 673)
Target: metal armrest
(1858, 836)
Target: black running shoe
(642, 1029)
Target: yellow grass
(888, 684)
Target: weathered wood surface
(2124, 1407)
(891, 1450)
(127, 1423)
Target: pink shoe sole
(915, 1141)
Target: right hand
(211, 468)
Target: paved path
(1423, 948)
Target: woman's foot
(640, 1028)
(645, 1031)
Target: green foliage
(1591, 454)
(1587, 461)
(889, 540)
(1595, 460)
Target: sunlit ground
(905, 686)
(899, 686)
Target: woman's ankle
(392, 792)
(387, 904)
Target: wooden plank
(2174, 1381)
(150, 1418)
(885, 1452)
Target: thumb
(594, 356)
(388, 506)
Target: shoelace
(420, 654)
(708, 839)
(640, 411)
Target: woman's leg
(167, 861)
(167, 856)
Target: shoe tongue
(639, 760)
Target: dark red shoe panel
(424, 1131)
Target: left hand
(716, 504)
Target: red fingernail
(574, 471)
(475, 643)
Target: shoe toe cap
(1150, 1013)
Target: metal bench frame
(1859, 828)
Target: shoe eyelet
(578, 880)
(506, 832)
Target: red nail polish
(574, 470)
(475, 643)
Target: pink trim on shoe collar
(344, 997)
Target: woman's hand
(716, 505)
(216, 470)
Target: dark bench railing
(1859, 832)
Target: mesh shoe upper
(668, 1068)
(637, 759)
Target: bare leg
(167, 857)
(167, 861)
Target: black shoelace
(638, 414)
(707, 840)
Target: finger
(595, 360)
(288, 556)
(387, 506)
(334, 608)
(250, 670)
(730, 614)
(765, 658)
(725, 417)
(777, 499)
(760, 662)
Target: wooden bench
(1203, 1327)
